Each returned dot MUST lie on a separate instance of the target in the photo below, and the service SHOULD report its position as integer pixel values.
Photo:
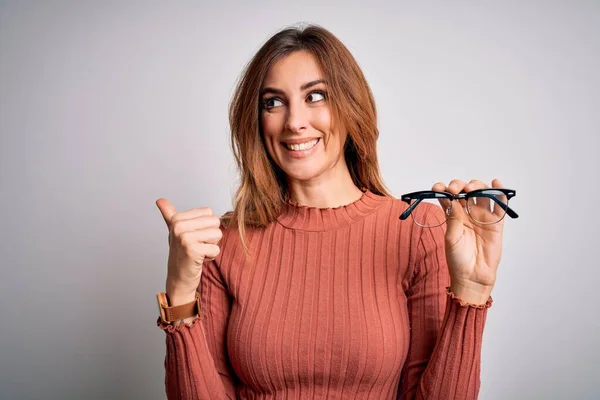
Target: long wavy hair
(263, 189)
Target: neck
(331, 191)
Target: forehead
(294, 70)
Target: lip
(299, 141)
(300, 153)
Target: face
(296, 120)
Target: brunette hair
(263, 188)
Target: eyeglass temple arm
(410, 209)
(511, 213)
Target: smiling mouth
(302, 146)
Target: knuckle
(216, 221)
(176, 218)
(185, 239)
(178, 229)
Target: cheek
(271, 124)
(268, 129)
(321, 120)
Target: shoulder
(228, 227)
(231, 240)
(389, 206)
(407, 231)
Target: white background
(107, 106)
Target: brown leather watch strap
(169, 314)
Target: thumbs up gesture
(193, 237)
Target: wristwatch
(170, 314)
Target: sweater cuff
(195, 323)
(460, 303)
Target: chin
(302, 174)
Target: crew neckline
(309, 218)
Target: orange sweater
(342, 303)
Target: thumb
(166, 209)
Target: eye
(272, 102)
(316, 96)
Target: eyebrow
(303, 87)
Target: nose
(297, 118)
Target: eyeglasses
(484, 206)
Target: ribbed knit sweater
(337, 303)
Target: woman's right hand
(193, 237)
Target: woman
(313, 287)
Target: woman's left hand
(473, 250)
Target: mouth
(309, 144)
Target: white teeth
(302, 146)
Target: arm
(196, 362)
(446, 334)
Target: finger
(482, 202)
(166, 209)
(195, 224)
(211, 251)
(497, 209)
(441, 187)
(455, 187)
(195, 238)
(189, 215)
(475, 184)
(193, 213)
(203, 251)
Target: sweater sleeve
(446, 334)
(196, 363)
